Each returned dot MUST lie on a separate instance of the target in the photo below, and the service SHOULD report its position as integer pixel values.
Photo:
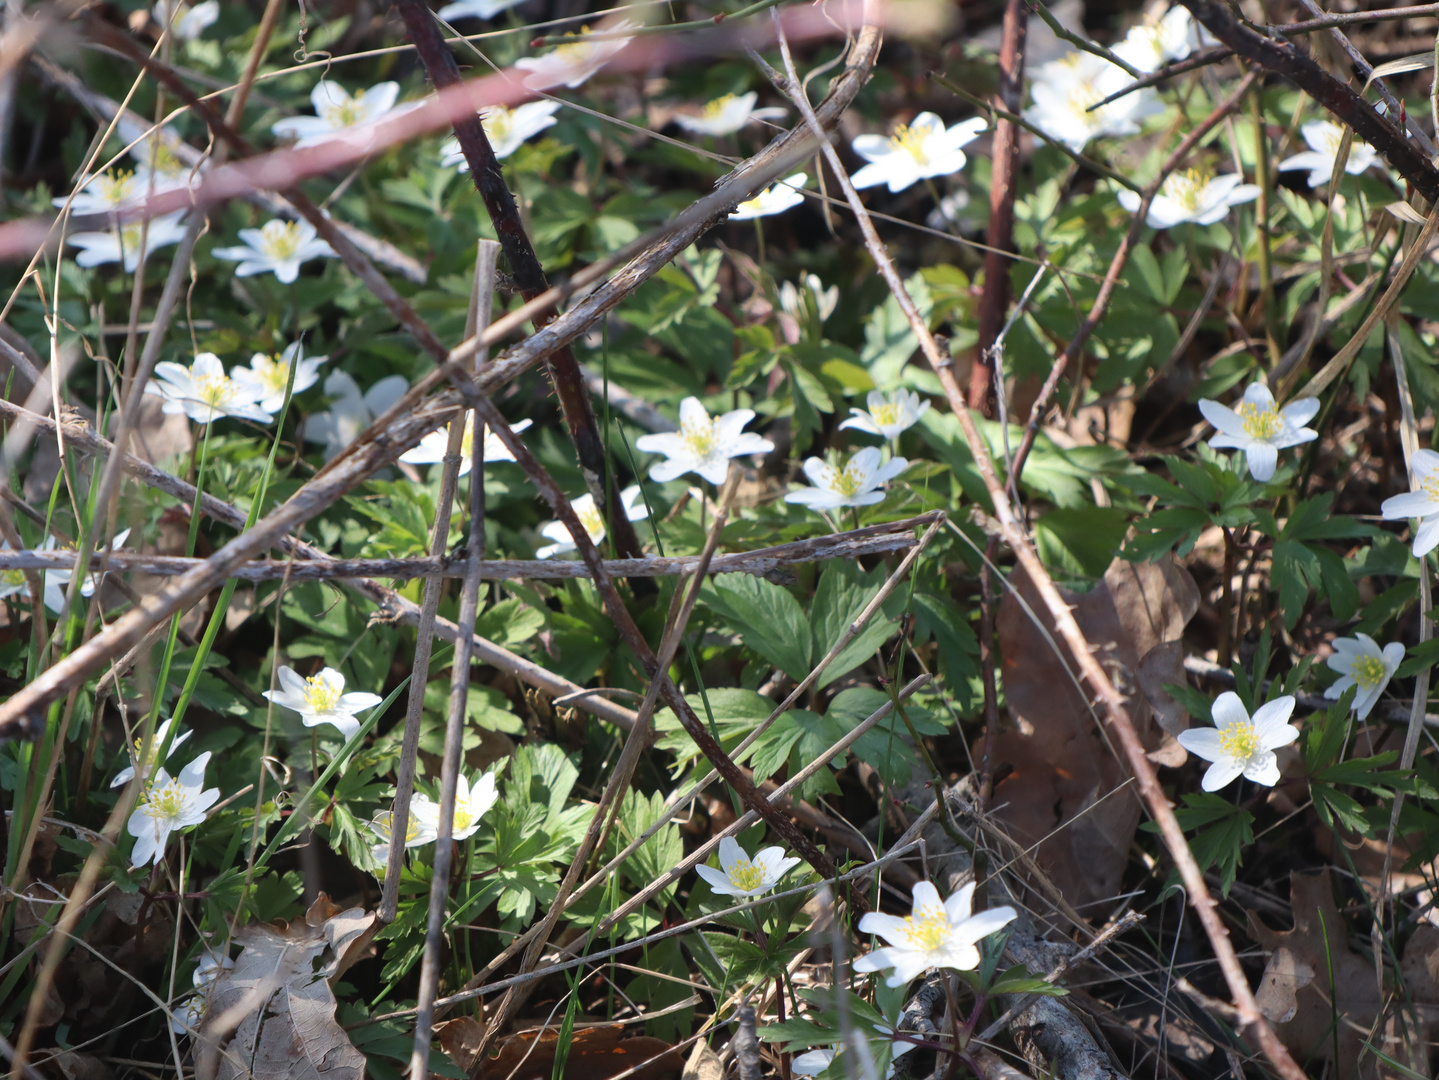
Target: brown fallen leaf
(1284, 976)
(703, 1064)
(596, 1053)
(461, 1039)
(1063, 775)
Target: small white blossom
(703, 444)
(158, 740)
(1421, 502)
(471, 805)
(192, 20)
(742, 876)
(591, 519)
(812, 1062)
(419, 827)
(888, 414)
(56, 580)
(1239, 746)
(278, 247)
(775, 199)
(169, 803)
(476, 9)
(726, 115)
(1158, 41)
(856, 484)
(936, 934)
(186, 1020)
(431, 449)
(916, 151)
(507, 129)
(1323, 137)
(1193, 195)
(351, 412)
(1260, 428)
(810, 300)
(1064, 91)
(108, 192)
(204, 393)
(1363, 664)
(267, 376)
(575, 61)
(321, 699)
(123, 244)
(337, 112)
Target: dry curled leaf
(703, 1064)
(1284, 976)
(461, 1040)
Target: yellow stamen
(280, 239)
(115, 187)
(164, 802)
(321, 695)
(1260, 423)
(273, 372)
(1185, 187)
(1239, 741)
(699, 436)
(592, 520)
(911, 141)
(12, 577)
(1368, 672)
(497, 123)
(744, 874)
(884, 415)
(928, 928)
(713, 109)
(344, 112)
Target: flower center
(463, 818)
(12, 577)
(130, 235)
(280, 239)
(497, 123)
(577, 51)
(714, 109)
(274, 372)
(115, 187)
(321, 695)
(213, 390)
(1239, 741)
(344, 112)
(1260, 423)
(165, 802)
(928, 928)
(911, 141)
(1368, 672)
(699, 436)
(1185, 188)
(1430, 486)
(849, 480)
(1329, 137)
(163, 159)
(592, 520)
(884, 415)
(744, 874)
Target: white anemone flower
(573, 62)
(916, 151)
(169, 803)
(726, 115)
(936, 934)
(351, 412)
(11, 581)
(1192, 196)
(1158, 40)
(476, 9)
(1064, 91)
(742, 876)
(419, 827)
(507, 129)
(471, 805)
(857, 484)
(812, 1062)
(186, 1020)
(1240, 746)
(775, 199)
(810, 296)
(268, 375)
(703, 444)
(123, 245)
(108, 192)
(1363, 664)
(191, 21)
(338, 112)
(1421, 502)
(321, 699)
(55, 581)
(125, 775)
(278, 247)
(1260, 428)
(431, 449)
(204, 393)
(888, 414)
(591, 519)
(1323, 138)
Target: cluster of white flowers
(205, 392)
(472, 802)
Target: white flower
(1422, 502)
(56, 580)
(810, 299)
(115, 245)
(158, 740)
(12, 581)
(471, 804)
(1157, 41)
(337, 112)
(591, 519)
(108, 192)
(703, 444)
(157, 157)
(507, 129)
(742, 876)
(575, 61)
(476, 9)
(854, 485)
(1323, 137)
(1238, 745)
(937, 934)
(726, 115)
(267, 376)
(1064, 90)
(812, 1062)
(888, 414)
(278, 247)
(189, 1016)
(431, 449)
(775, 199)
(203, 391)
(321, 699)
(1193, 195)
(916, 151)
(192, 21)
(1261, 429)
(169, 803)
(419, 826)
(351, 412)
(1363, 664)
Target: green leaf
(767, 618)
(843, 591)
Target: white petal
(1221, 774)
(1203, 742)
